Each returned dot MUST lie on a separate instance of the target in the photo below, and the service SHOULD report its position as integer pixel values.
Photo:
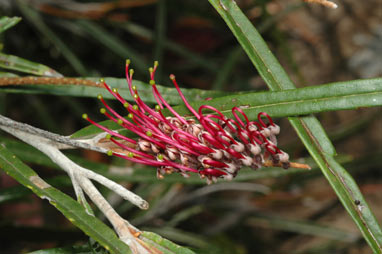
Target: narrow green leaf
(8, 22)
(348, 192)
(16, 63)
(254, 45)
(308, 128)
(162, 244)
(7, 74)
(301, 101)
(145, 91)
(65, 204)
(293, 102)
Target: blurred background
(274, 212)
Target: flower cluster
(209, 144)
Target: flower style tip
(210, 145)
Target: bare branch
(60, 142)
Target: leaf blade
(15, 63)
(293, 102)
(8, 22)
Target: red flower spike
(212, 145)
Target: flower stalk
(210, 145)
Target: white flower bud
(232, 168)
(266, 132)
(252, 127)
(228, 176)
(239, 147)
(144, 145)
(255, 149)
(154, 148)
(172, 153)
(275, 129)
(247, 161)
(217, 154)
(226, 154)
(284, 157)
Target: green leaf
(16, 63)
(350, 196)
(8, 22)
(308, 128)
(301, 101)
(162, 244)
(254, 45)
(65, 204)
(145, 91)
(294, 102)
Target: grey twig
(49, 144)
(61, 142)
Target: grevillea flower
(209, 144)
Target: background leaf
(8, 22)
(16, 63)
